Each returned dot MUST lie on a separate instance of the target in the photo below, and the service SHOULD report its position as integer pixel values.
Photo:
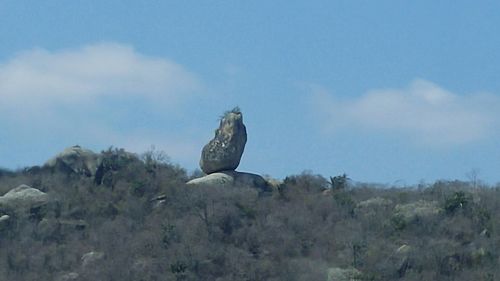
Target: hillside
(138, 220)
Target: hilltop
(136, 219)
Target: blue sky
(385, 91)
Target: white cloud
(424, 112)
(39, 78)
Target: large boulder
(224, 151)
(23, 198)
(232, 179)
(77, 160)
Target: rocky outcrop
(224, 151)
(232, 178)
(77, 160)
(23, 198)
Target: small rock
(343, 274)
(91, 258)
(224, 151)
(485, 233)
(404, 249)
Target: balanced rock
(224, 151)
(23, 198)
(77, 160)
(232, 179)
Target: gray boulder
(343, 274)
(77, 160)
(23, 198)
(224, 151)
(232, 179)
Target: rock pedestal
(232, 178)
(224, 151)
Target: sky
(391, 92)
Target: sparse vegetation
(235, 110)
(150, 226)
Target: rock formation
(23, 198)
(222, 155)
(77, 160)
(224, 151)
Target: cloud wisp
(423, 112)
(39, 78)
